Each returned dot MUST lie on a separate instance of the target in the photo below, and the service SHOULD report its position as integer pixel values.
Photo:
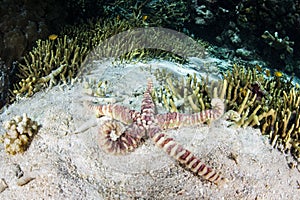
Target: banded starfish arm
(175, 120)
(117, 112)
(184, 156)
(147, 107)
(112, 139)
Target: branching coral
(59, 59)
(48, 63)
(251, 98)
(275, 112)
(20, 132)
(96, 88)
(278, 43)
(189, 94)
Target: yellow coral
(20, 132)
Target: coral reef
(240, 24)
(183, 95)
(50, 62)
(20, 132)
(234, 25)
(172, 13)
(273, 106)
(22, 23)
(251, 97)
(59, 59)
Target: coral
(20, 132)
(117, 139)
(59, 58)
(203, 15)
(268, 103)
(278, 43)
(48, 63)
(96, 88)
(252, 97)
(134, 43)
(182, 94)
(167, 13)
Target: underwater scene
(153, 99)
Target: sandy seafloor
(66, 162)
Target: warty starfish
(147, 124)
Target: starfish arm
(175, 120)
(117, 112)
(218, 107)
(113, 140)
(184, 156)
(148, 107)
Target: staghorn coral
(134, 44)
(58, 60)
(20, 132)
(276, 113)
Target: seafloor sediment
(66, 162)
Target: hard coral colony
(257, 100)
(20, 132)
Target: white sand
(69, 165)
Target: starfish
(118, 139)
